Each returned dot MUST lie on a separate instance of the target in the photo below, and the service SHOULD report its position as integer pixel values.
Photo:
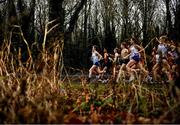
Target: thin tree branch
(52, 28)
(74, 17)
(46, 31)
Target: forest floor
(122, 103)
(35, 98)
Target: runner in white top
(95, 59)
(162, 48)
(161, 58)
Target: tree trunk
(85, 35)
(125, 19)
(1, 31)
(10, 17)
(177, 22)
(25, 16)
(68, 32)
(145, 23)
(85, 25)
(32, 18)
(110, 41)
(74, 17)
(168, 17)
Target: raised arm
(141, 49)
(99, 55)
(115, 57)
(157, 40)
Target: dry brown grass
(33, 92)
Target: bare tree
(168, 28)
(108, 22)
(177, 22)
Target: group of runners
(128, 62)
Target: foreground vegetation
(34, 92)
(35, 86)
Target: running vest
(134, 52)
(94, 57)
(162, 48)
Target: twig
(145, 49)
(152, 96)
(46, 32)
(25, 41)
(52, 28)
(107, 97)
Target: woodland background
(82, 23)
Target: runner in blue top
(135, 60)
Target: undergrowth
(34, 92)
